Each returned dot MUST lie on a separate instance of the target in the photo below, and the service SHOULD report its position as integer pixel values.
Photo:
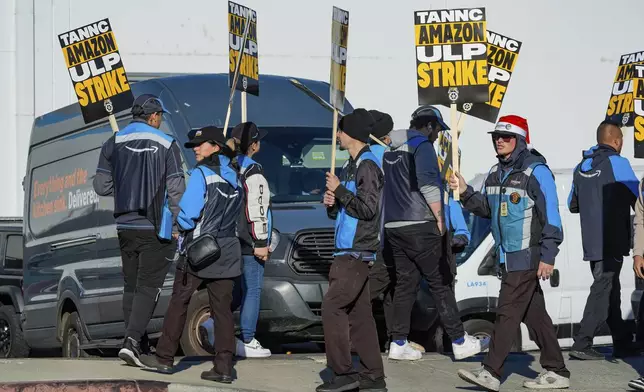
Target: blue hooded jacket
(603, 191)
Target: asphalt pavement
(303, 372)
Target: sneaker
(481, 378)
(589, 354)
(214, 375)
(151, 362)
(470, 346)
(548, 380)
(403, 353)
(131, 352)
(637, 384)
(369, 385)
(251, 350)
(339, 384)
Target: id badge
(504, 208)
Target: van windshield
(479, 229)
(295, 161)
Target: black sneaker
(151, 362)
(339, 384)
(369, 385)
(589, 354)
(131, 352)
(213, 375)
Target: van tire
(10, 320)
(198, 312)
(482, 327)
(73, 336)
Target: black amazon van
(73, 283)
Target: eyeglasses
(504, 138)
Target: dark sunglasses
(505, 138)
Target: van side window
(62, 196)
(13, 253)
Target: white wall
(561, 83)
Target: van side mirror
(554, 278)
(489, 265)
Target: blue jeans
(252, 283)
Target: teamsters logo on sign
(638, 109)
(502, 56)
(339, 41)
(96, 70)
(248, 79)
(451, 61)
(620, 105)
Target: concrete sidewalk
(302, 372)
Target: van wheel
(73, 336)
(481, 328)
(12, 341)
(193, 343)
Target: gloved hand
(459, 242)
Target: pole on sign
(375, 139)
(454, 134)
(233, 85)
(333, 140)
(115, 126)
(244, 113)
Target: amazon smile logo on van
(154, 149)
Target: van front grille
(313, 252)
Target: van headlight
(275, 240)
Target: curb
(112, 386)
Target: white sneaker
(471, 346)
(481, 378)
(251, 350)
(548, 380)
(403, 353)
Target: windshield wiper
(313, 95)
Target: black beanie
(383, 123)
(358, 125)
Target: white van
(477, 286)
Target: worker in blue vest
(520, 198)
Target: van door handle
(90, 239)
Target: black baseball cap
(430, 112)
(383, 123)
(358, 125)
(207, 134)
(248, 133)
(148, 104)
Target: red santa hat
(514, 125)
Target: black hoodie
(604, 189)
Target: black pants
(418, 251)
(220, 295)
(382, 280)
(146, 261)
(603, 306)
(521, 300)
(347, 320)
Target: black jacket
(604, 189)
(357, 209)
(141, 167)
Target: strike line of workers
(393, 229)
